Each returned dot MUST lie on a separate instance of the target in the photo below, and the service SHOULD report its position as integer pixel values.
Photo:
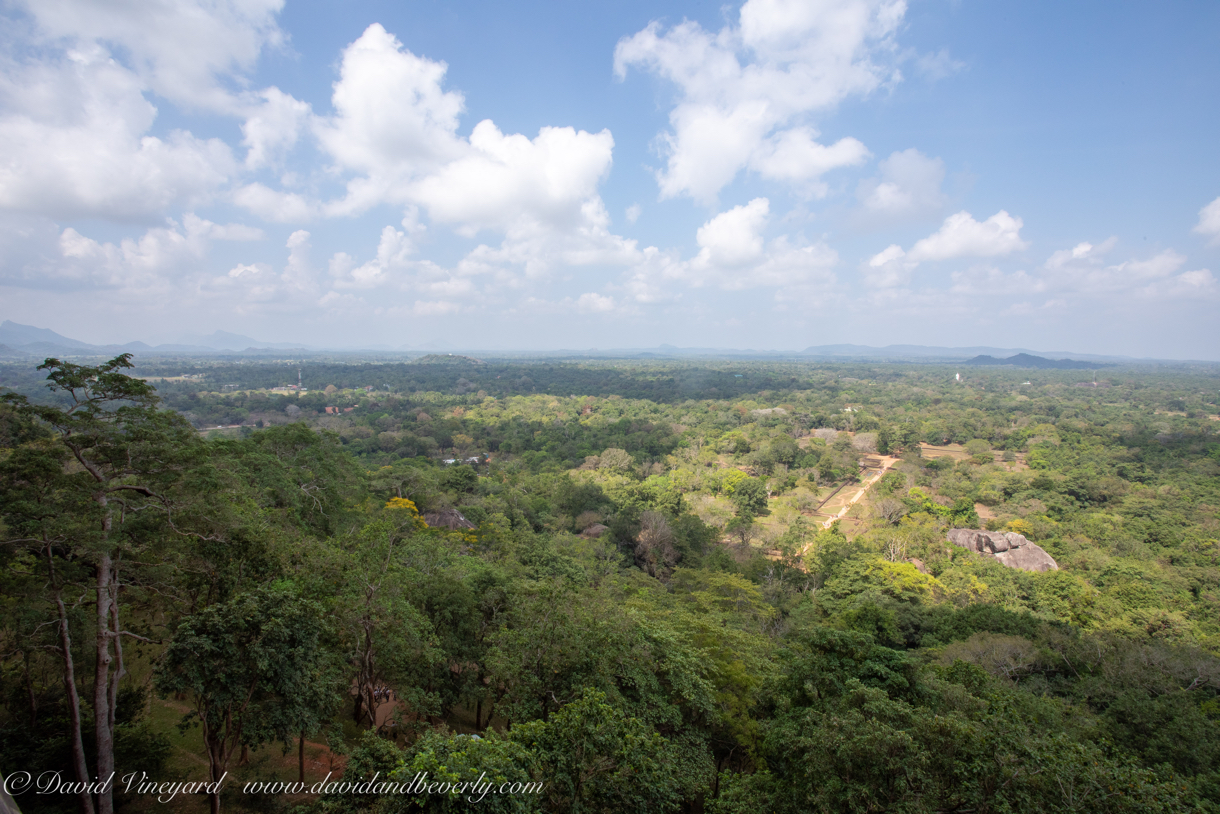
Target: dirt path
(886, 463)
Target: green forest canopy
(623, 582)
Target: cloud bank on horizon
(790, 173)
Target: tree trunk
(103, 712)
(301, 757)
(366, 703)
(84, 799)
(216, 764)
(31, 698)
(120, 666)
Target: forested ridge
(625, 578)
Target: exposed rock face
(450, 519)
(1008, 547)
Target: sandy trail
(886, 463)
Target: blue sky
(773, 174)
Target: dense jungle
(645, 585)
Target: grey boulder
(1007, 547)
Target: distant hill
(1041, 362)
(46, 349)
(9, 353)
(447, 359)
(930, 352)
(278, 349)
(15, 335)
(35, 342)
(20, 341)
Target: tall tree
(33, 482)
(121, 456)
(382, 632)
(593, 756)
(256, 668)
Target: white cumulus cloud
(732, 239)
(959, 236)
(256, 288)
(1083, 253)
(151, 261)
(1209, 221)
(962, 236)
(888, 268)
(733, 255)
(1082, 270)
(393, 135)
(743, 91)
(182, 50)
(395, 126)
(78, 104)
(501, 178)
(272, 127)
(794, 156)
(74, 134)
(276, 205)
(1160, 266)
(392, 121)
(395, 252)
(1197, 284)
(249, 270)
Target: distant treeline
(633, 601)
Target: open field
(958, 453)
(230, 431)
(845, 499)
(186, 378)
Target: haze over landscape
(771, 175)
(772, 407)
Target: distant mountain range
(925, 351)
(15, 336)
(223, 340)
(27, 341)
(18, 341)
(1040, 362)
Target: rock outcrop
(450, 519)
(1008, 547)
